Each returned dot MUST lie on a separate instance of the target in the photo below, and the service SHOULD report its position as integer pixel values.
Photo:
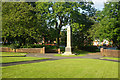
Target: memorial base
(68, 51)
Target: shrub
(14, 46)
(62, 49)
(89, 48)
(32, 46)
(38, 46)
(50, 47)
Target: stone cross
(68, 47)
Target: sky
(99, 4)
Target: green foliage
(30, 22)
(62, 49)
(89, 48)
(15, 45)
(63, 13)
(108, 24)
(80, 23)
(50, 47)
(18, 23)
(38, 46)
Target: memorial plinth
(68, 48)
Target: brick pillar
(101, 51)
(0, 49)
(13, 50)
(58, 50)
(43, 50)
(119, 53)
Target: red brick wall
(26, 50)
(29, 50)
(110, 53)
(6, 49)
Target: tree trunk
(58, 41)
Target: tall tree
(18, 22)
(108, 24)
(63, 13)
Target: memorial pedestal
(68, 48)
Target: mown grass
(69, 55)
(17, 59)
(12, 54)
(64, 68)
(112, 58)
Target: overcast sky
(99, 4)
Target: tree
(81, 22)
(27, 22)
(18, 23)
(108, 24)
(63, 13)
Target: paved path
(52, 57)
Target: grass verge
(69, 55)
(112, 58)
(12, 54)
(64, 68)
(17, 59)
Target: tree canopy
(107, 24)
(30, 22)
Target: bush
(14, 46)
(50, 47)
(38, 46)
(62, 49)
(89, 48)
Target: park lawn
(64, 68)
(17, 59)
(12, 54)
(69, 55)
(112, 58)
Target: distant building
(103, 43)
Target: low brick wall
(110, 53)
(97, 53)
(31, 50)
(6, 49)
(24, 50)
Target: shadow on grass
(13, 56)
(26, 62)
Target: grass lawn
(64, 68)
(12, 54)
(69, 55)
(112, 58)
(17, 59)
